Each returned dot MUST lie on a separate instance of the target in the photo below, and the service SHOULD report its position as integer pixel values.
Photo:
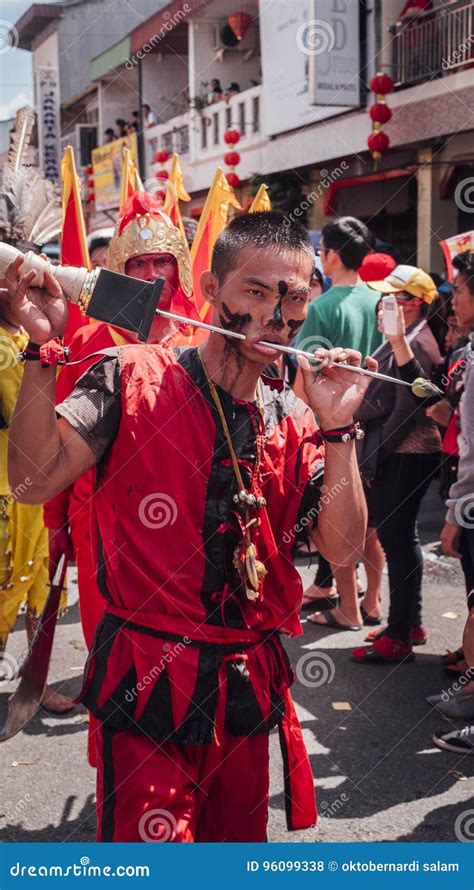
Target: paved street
(368, 730)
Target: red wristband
(53, 353)
(343, 434)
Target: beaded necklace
(250, 569)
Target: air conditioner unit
(83, 139)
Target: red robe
(183, 657)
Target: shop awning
(33, 22)
(112, 58)
(330, 200)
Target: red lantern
(378, 142)
(232, 158)
(381, 84)
(233, 179)
(380, 113)
(161, 157)
(231, 137)
(161, 174)
(240, 23)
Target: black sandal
(332, 622)
(369, 620)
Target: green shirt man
(343, 316)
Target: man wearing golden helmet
(145, 245)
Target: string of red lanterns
(232, 158)
(90, 194)
(162, 175)
(380, 114)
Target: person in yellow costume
(30, 215)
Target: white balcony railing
(435, 43)
(198, 135)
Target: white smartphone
(391, 324)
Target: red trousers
(152, 791)
(91, 607)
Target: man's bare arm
(45, 454)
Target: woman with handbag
(401, 455)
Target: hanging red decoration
(233, 179)
(232, 158)
(231, 137)
(240, 23)
(378, 141)
(381, 84)
(380, 113)
(162, 174)
(161, 157)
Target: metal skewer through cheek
(420, 387)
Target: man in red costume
(163, 252)
(205, 472)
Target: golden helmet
(144, 228)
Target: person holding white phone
(402, 455)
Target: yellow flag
(175, 193)
(131, 181)
(211, 222)
(261, 200)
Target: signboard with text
(49, 122)
(334, 61)
(106, 170)
(293, 39)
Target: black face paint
(277, 320)
(294, 327)
(233, 321)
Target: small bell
(261, 502)
(242, 495)
(251, 500)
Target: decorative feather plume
(30, 206)
(20, 137)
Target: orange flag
(74, 251)
(261, 200)
(130, 182)
(176, 192)
(212, 220)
